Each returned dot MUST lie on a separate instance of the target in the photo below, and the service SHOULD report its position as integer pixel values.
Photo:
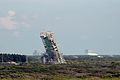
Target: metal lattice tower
(52, 55)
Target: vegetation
(89, 68)
(12, 57)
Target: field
(76, 68)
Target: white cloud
(8, 22)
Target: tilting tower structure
(52, 54)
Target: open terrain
(76, 68)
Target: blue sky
(78, 25)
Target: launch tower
(52, 54)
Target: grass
(73, 70)
(62, 78)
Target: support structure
(52, 54)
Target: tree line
(12, 57)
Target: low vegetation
(74, 69)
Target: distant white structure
(13, 63)
(100, 56)
(91, 53)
